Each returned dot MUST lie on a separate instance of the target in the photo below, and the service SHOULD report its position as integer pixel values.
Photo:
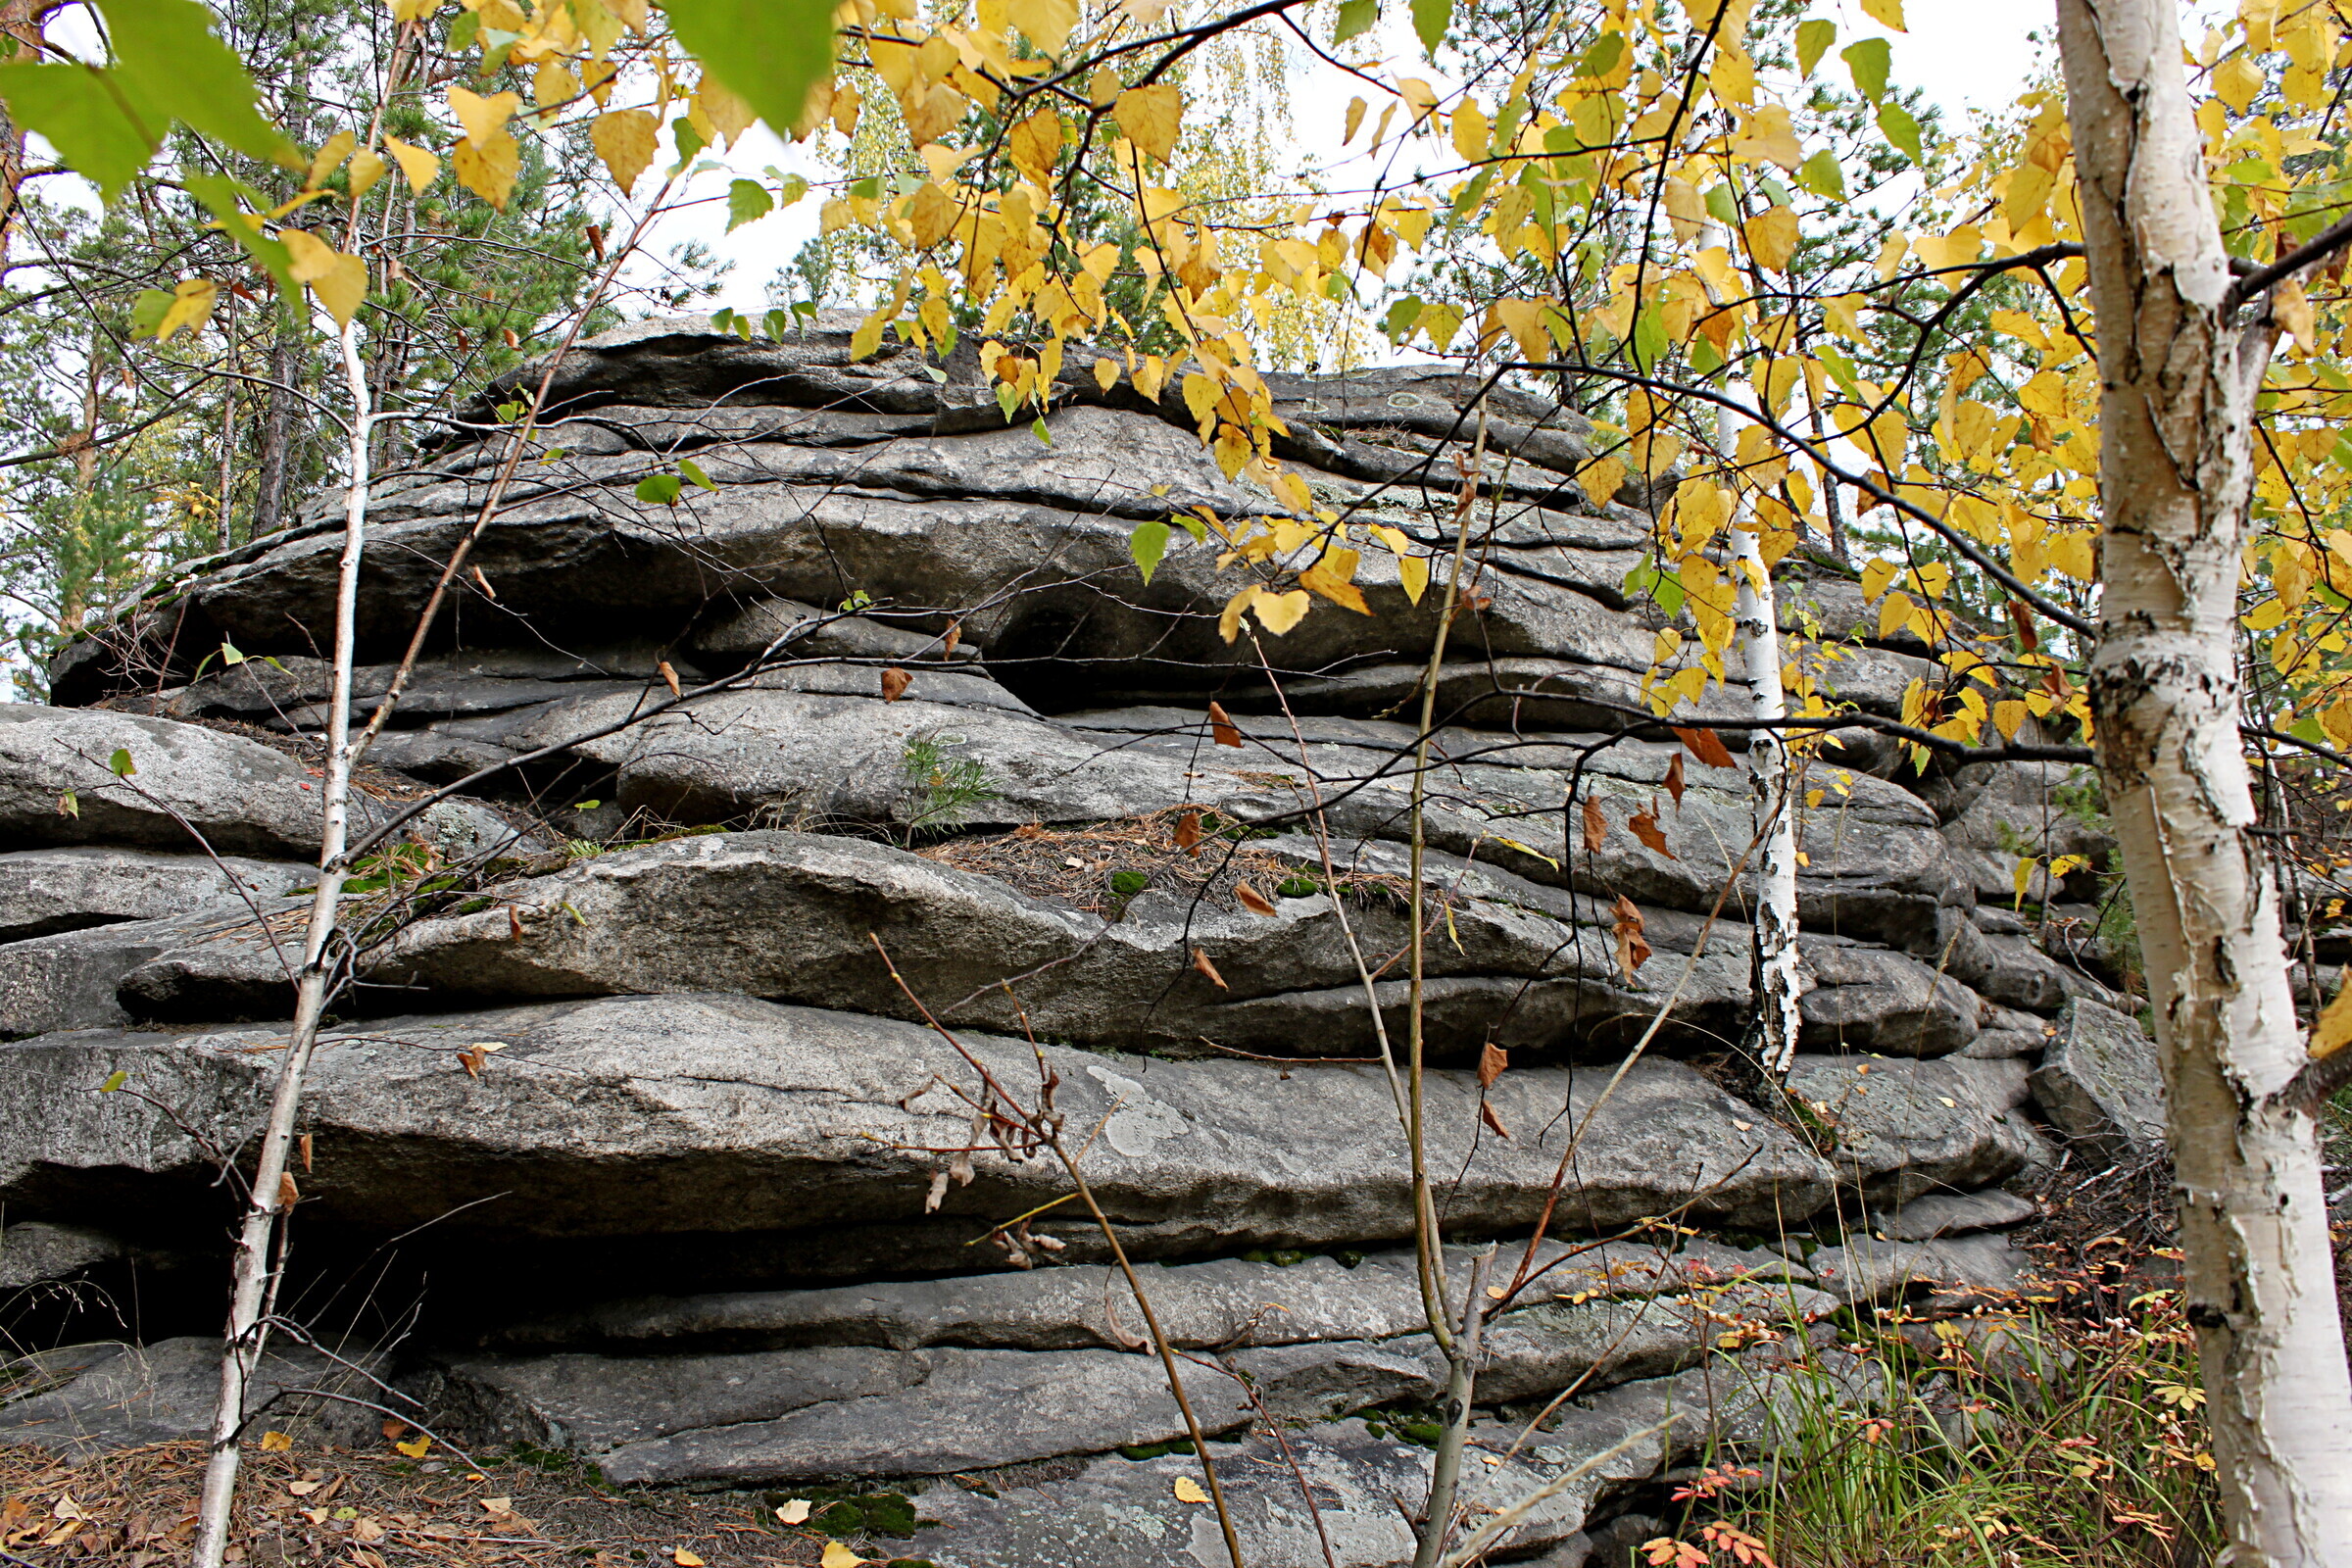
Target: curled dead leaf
(1222, 728)
(1255, 902)
(669, 677)
(1486, 1114)
(1188, 833)
(288, 1195)
(948, 641)
(794, 1513)
(1493, 1063)
(895, 682)
(1597, 826)
(1674, 780)
(938, 1193)
(1209, 970)
(1625, 927)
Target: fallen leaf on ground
(895, 682)
(1255, 902)
(1189, 1491)
(794, 1513)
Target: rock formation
(626, 1141)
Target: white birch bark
(2175, 472)
(253, 1281)
(1756, 619)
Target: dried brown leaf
(1208, 969)
(1674, 780)
(1188, 833)
(1222, 728)
(669, 677)
(952, 636)
(1624, 926)
(1492, 1062)
(1486, 1114)
(1645, 824)
(895, 682)
(1597, 826)
(1255, 902)
(1706, 746)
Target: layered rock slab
(708, 1115)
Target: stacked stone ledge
(661, 1155)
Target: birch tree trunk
(2175, 472)
(273, 1191)
(1773, 979)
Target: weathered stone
(74, 980)
(34, 1253)
(1931, 1215)
(1907, 1128)
(2016, 814)
(1225, 1302)
(1871, 999)
(738, 634)
(2100, 1084)
(167, 1391)
(1866, 1269)
(704, 1115)
(242, 797)
(795, 918)
(43, 891)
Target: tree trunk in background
(274, 474)
(21, 24)
(2175, 476)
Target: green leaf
(748, 201)
(1401, 317)
(1822, 174)
(1147, 544)
(168, 54)
(688, 139)
(219, 193)
(661, 489)
(777, 323)
(1005, 397)
(1900, 128)
(1357, 18)
(1037, 428)
(115, 1080)
(1703, 358)
(147, 310)
(1601, 59)
(2308, 729)
(1813, 40)
(694, 473)
(1650, 336)
(769, 52)
(88, 117)
(1720, 208)
(1430, 18)
(1869, 61)
(230, 654)
(121, 762)
(464, 30)
(68, 804)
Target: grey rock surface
(43, 891)
(1934, 1215)
(1908, 1128)
(243, 797)
(1866, 1269)
(129, 1396)
(2100, 1084)
(1873, 999)
(35, 1254)
(637, 1116)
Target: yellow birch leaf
(2007, 717)
(1356, 121)
(1894, 615)
(2334, 1028)
(838, 1555)
(1886, 13)
(1151, 115)
(1601, 479)
(1048, 22)
(1106, 374)
(1279, 612)
(2293, 309)
(1412, 572)
(1229, 623)
(1769, 138)
(366, 169)
(1772, 238)
(309, 257)
(1189, 1491)
(2236, 80)
(343, 288)
(420, 166)
(329, 158)
(275, 1442)
(1684, 209)
(488, 169)
(1470, 132)
(731, 115)
(1334, 577)
(1035, 144)
(626, 139)
(191, 306)
(484, 118)
(553, 83)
